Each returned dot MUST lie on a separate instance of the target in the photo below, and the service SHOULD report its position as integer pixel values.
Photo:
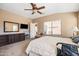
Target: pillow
(75, 39)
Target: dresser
(11, 38)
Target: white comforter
(46, 46)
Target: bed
(45, 46)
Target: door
(33, 30)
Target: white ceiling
(50, 8)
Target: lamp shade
(75, 29)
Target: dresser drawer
(3, 39)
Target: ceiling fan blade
(39, 12)
(33, 4)
(41, 7)
(33, 12)
(27, 9)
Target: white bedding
(46, 45)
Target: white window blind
(52, 27)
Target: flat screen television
(24, 26)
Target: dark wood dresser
(11, 38)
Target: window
(52, 27)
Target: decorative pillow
(75, 39)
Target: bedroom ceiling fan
(35, 8)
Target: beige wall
(78, 21)
(8, 16)
(68, 21)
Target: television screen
(24, 26)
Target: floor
(15, 49)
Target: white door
(33, 30)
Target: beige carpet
(15, 49)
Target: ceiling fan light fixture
(35, 9)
